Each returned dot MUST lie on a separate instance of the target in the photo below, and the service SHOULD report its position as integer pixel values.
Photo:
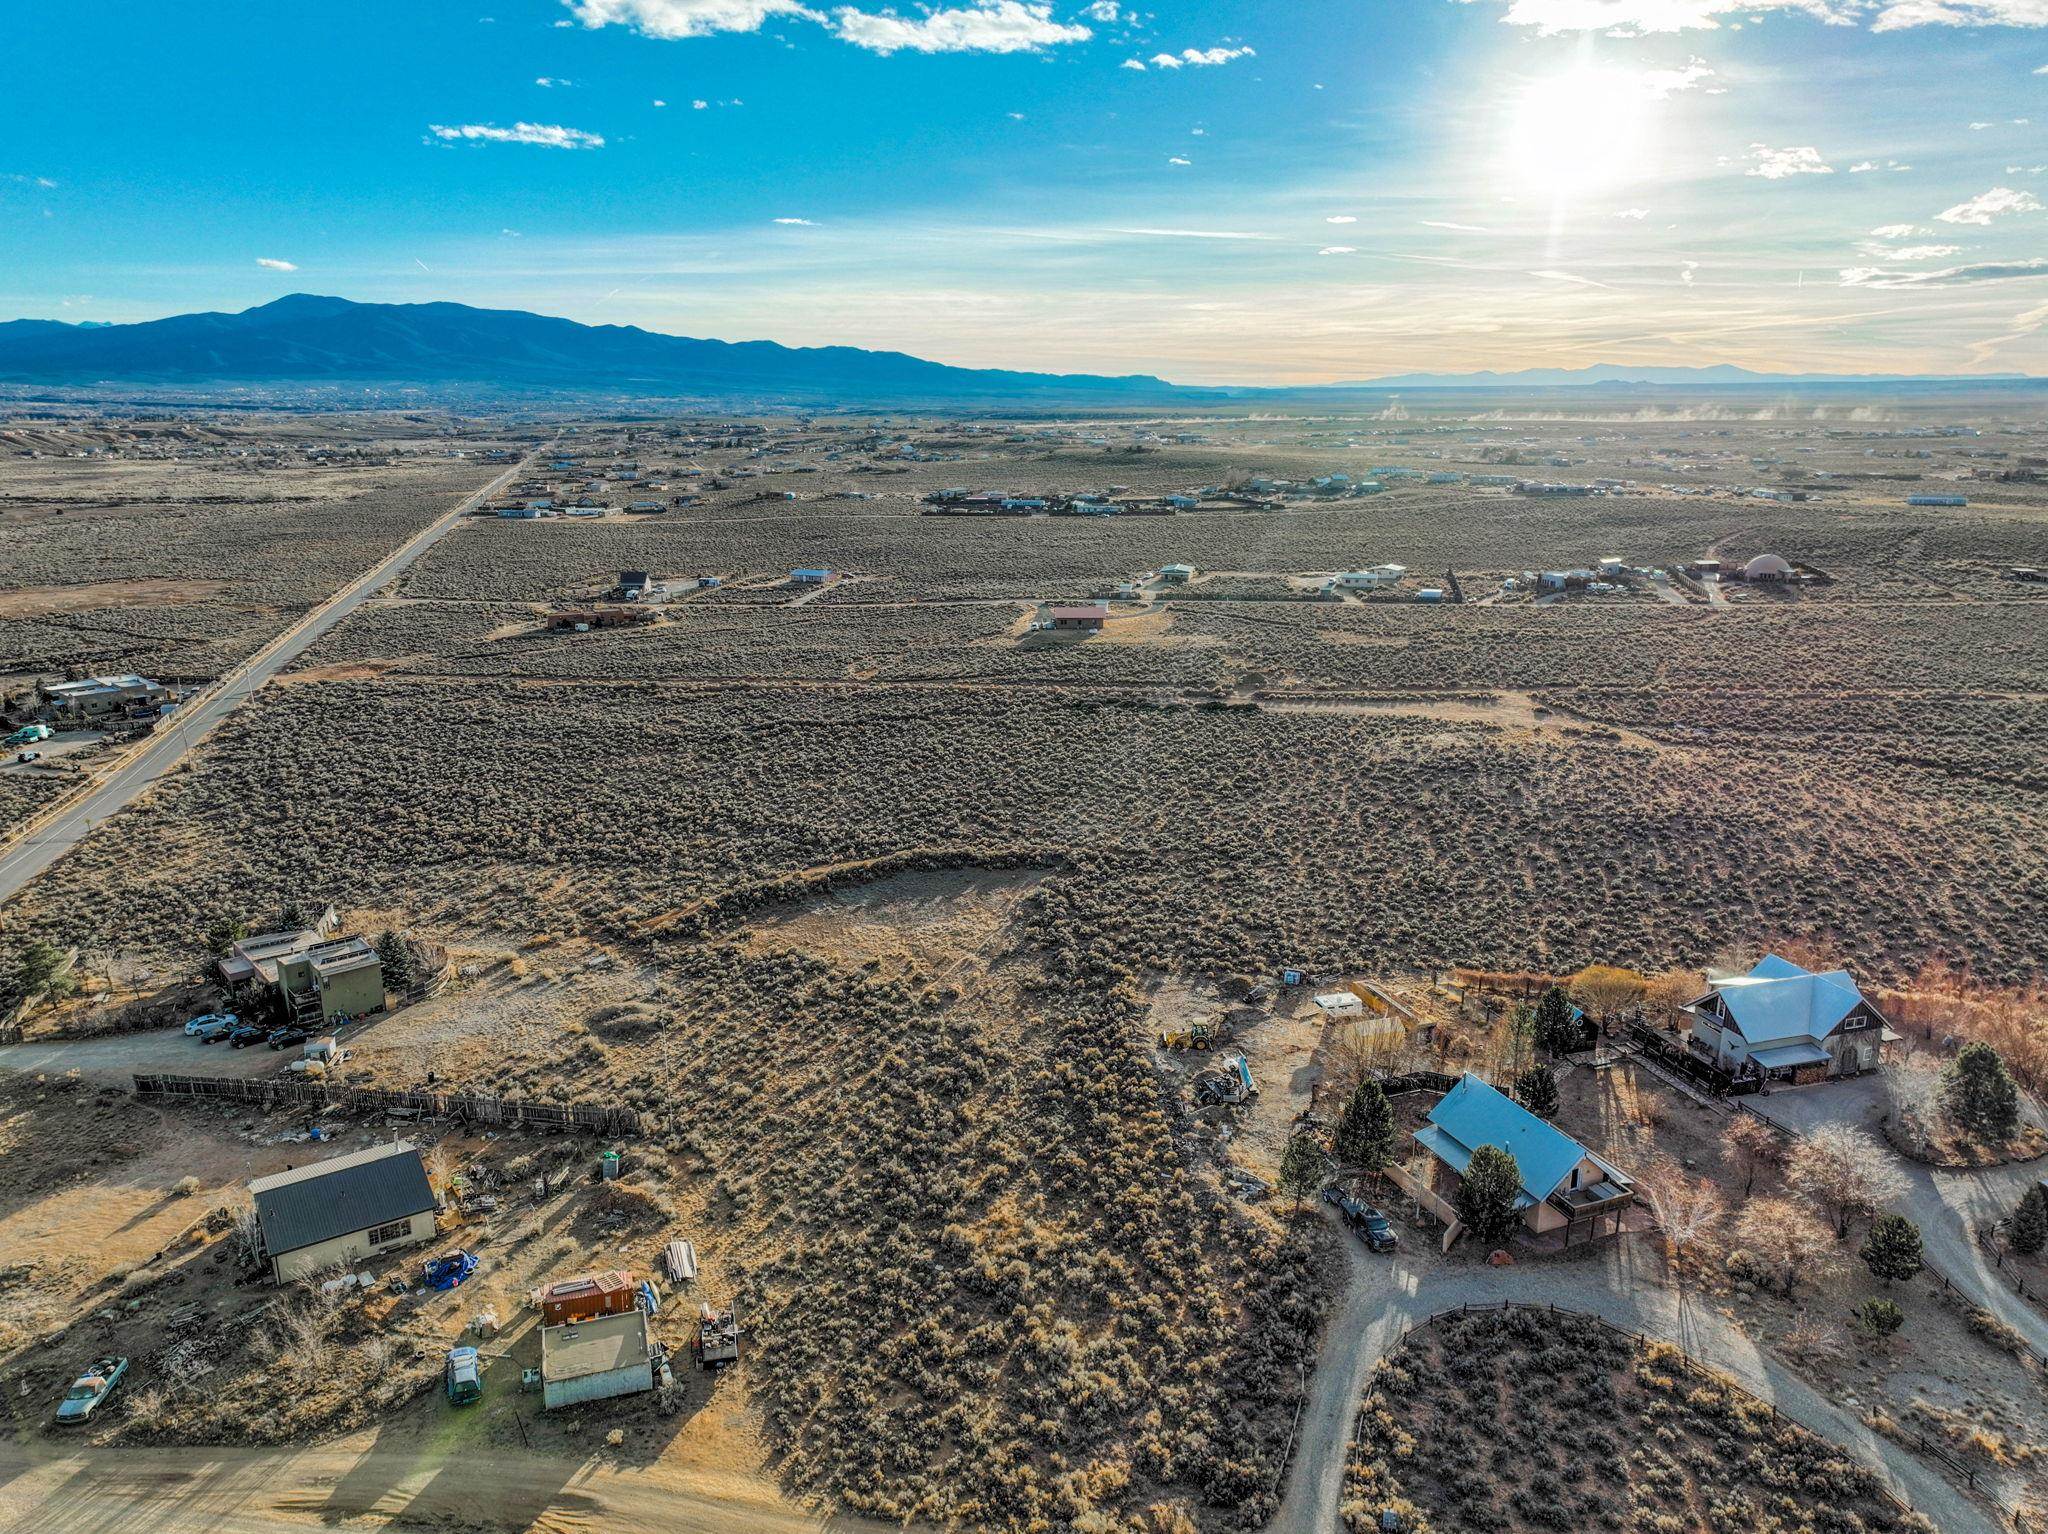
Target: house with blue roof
(1565, 1187)
(1786, 1024)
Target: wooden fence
(1692, 1368)
(465, 1107)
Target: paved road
(158, 753)
(1385, 1297)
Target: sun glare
(1579, 132)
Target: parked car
(30, 756)
(247, 1033)
(90, 1389)
(30, 735)
(198, 1025)
(285, 1037)
(1373, 1227)
(217, 1030)
(465, 1380)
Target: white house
(1785, 1023)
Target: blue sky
(1214, 191)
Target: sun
(1584, 131)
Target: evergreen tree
(400, 972)
(1892, 1249)
(1365, 1133)
(1978, 1092)
(1880, 1318)
(1301, 1169)
(1536, 1088)
(41, 968)
(292, 918)
(1556, 1032)
(1486, 1197)
(225, 932)
(2030, 1222)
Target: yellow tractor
(1203, 1035)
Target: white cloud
(1777, 164)
(685, 18)
(1633, 18)
(1861, 166)
(1899, 231)
(1137, 64)
(1174, 159)
(1944, 277)
(1660, 83)
(1340, 218)
(699, 105)
(1552, 275)
(659, 102)
(1196, 234)
(271, 263)
(1685, 272)
(1634, 213)
(802, 223)
(37, 181)
(1200, 58)
(1104, 10)
(1979, 127)
(1438, 223)
(1338, 250)
(994, 26)
(549, 82)
(547, 135)
(1986, 206)
(1925, 252)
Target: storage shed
(596, 1360)
(586, 1297)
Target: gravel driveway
(119, 1056)
(1618, 1282)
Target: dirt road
(118, 1056)
(161, 751)
(1385, 1297)
(372, 1481)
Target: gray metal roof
(340, 1196)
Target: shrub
(1979, 1093)
(1879, 1318)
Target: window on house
(396, 1230)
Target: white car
(212, 1022)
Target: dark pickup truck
(1374, 1228)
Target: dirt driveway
(119, 1056)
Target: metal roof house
(1565, 1187)
(344, 1209)
(597, 1359)
(1784, 1023)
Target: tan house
(343, 1210)
(1565, 1187)
(340, 979)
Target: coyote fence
(465, 1107)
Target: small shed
(586, 1297)
(1177, 575)
(810, 577)
(596, 1360)
(1340, 1004)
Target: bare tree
(1688, 1208)
(1913, 1085)
(1668, 990)
(1787, 1244)
(1604, 990)
(1846, 1171)
(1752, 1145)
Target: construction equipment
(1204, 1034)
(718, 1337)
(1229, 1081)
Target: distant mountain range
(306, 340)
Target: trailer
(718, 1337)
